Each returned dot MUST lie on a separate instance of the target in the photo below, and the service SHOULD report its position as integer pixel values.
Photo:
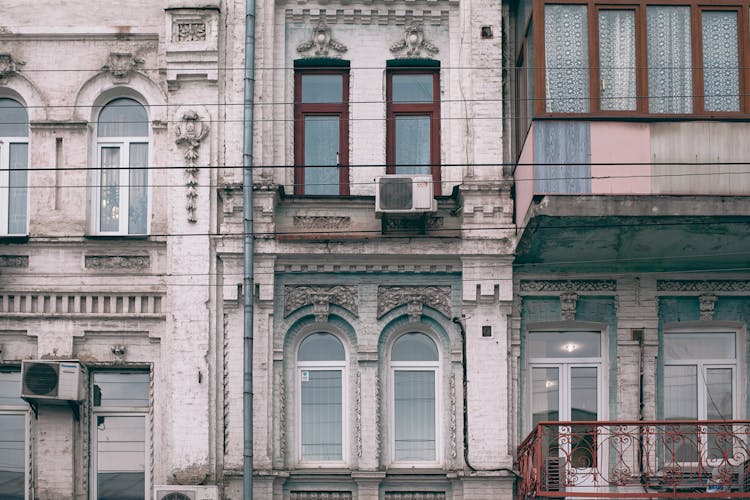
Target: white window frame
(5, 143)
(117, 411)
(24, 411)
(341, 366)
(434, 367)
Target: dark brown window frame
(640, 8)
(422, 109)
(302, 110)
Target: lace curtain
(617, 60)
(721, 75)
(670, 82)
(566, 56)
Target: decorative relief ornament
(322, 42)
(707, 304)
(568, 303)
(414, 43)
(568, 285)
(191, 32)
(320, 297)
(121, 65)
(9, 65)
(190, 132)
(391, 297)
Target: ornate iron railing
(636, 459)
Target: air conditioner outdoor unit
(400, 194)
(176, 492)
(52, 381)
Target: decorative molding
(322, 42)
(190, 132)
(320, 297)
(413, 43)
(407, 223)
(707, 304)
(568, 303)
(378, 420)
(372, 267)
(190, 32)
(129, 262)
(414, 495)
(282, 419)
(119, 350)
(9, 65)
(321, 222)
(379, 17)
(14, 261)
(358, 413)
(703, 285)
(452, 409)
(110, 305)
(121, 65)
(225, 380)
(320, 495)
(568, 286)
(150, 423)
(437, 297)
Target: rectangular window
(413, 123)
(566, 52)
(617, 62)
(123, 188)
(14, 160)
(14, 446)
(321, 414)
(670, 63)
(321, 131)
(721, 60)
(414, 415)
(120, 435)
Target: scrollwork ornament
(453, 445)
(190, 132)
(378, 423)
(322, 42)
(413, 43)
(282, 418)
(9, 66)
(358, 413)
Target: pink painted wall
(524, 178)
(614, 143)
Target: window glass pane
(138, 192)
(721, 73)
(123, 118)
(617, 59)
(109, 209)
(414, 408)
(321, 414)
(413, 144)
(10, 389)
(414, 347)
(670, 83)
(322, 88)
(412, 88)
(563, 344)
(584, 391)
(12, 456)
(719, 394)
(17, 191)
(566, 57)
(121, 457)
(680, 392)
(121, 389)
(321, 149)
(321, 347)
(683, 346)
(14, 121)
(545, 395)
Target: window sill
(14, 238)
(642, 117)
(117, 236)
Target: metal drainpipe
(248, 273)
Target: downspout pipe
(248, 248)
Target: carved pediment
(320, 297)
(322, 44)
(413, 43)
(415, 297)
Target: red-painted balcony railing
(636, 459)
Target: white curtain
(617, 60)
(566, 56)
(721, 72)
(670, 82)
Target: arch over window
(122, 151)
(14, 161)
(414, 382)
(320, 375)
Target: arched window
(122, 150)
(414, 366)
(321, 361)
(14, 162)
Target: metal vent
(396, 193)
(554, 468)
(176, 496)
(41, 379)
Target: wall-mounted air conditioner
(400, 194)
(176, 492)
(51, 381)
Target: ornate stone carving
(225, 381)
(320, 297)
(452, 409)
(14, 261)
(117, 261)
(121, 65)
(190, 132)
(191, 32)
(568, 303)
(9, 66)
(414, 308)
(407, 223)
(321, 222)
(437, 297)
(413, 43)
(282, 418)
(322, 42)
(119, 350)
(320, 495)
(378, 420)
(703, 285)
(707, 303)
(358, 413)
(568, 286)
(414, 495)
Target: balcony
(636, 459)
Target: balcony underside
(650, 233)
(640, 459)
